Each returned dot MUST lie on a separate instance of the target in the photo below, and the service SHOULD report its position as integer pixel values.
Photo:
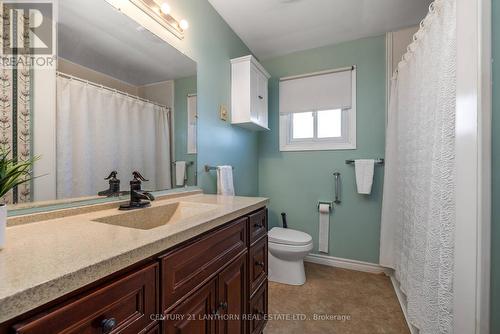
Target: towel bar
(188, 163)
(379, 161)
(210, 168)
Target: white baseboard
(346, 264)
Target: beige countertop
(47, 259)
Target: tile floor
(355, 302)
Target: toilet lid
(287, 236)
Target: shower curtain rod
(69, 76)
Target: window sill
(317, 147)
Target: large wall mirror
(125, 101)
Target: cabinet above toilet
(249, 94)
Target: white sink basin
(149, 218)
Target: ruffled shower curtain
(417, 235)
(99, 130)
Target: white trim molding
(338, 262)
(389, 39)
(473, 171)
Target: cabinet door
(232, 297)
(262, 100)
(194, 315)
(254, 94)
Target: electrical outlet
(223, 114)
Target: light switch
(223, 114)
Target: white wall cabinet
(249, 95)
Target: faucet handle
(112, 175)
(138, 176)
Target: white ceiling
(278, 27)
(94, 34)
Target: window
(192, 126)
(318, 111)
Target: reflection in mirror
(125, 102)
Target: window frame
(346, 142)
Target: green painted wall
(296, 181)
(495, 228)
(183, 87)
(212, 43)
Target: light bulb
(184, 24)
(165, 8)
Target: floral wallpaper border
(15, 99)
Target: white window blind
(316, 92)
(318, 111)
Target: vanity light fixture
(165, 8)
(184, 24)
(160, 12)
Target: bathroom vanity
(204, 270)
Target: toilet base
(286, 272)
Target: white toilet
(287, 250)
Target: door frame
(473, 172)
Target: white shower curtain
(99, 131)
(417, 235)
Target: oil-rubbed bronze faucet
(138, 197)
(114, 187)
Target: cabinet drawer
(258, 310)
(186, 268)
(124, 306)
(258, 264)
(257, 225)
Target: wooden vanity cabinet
(214, 283)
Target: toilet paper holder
(330, 205)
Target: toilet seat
(290, 249)
(290, 237)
